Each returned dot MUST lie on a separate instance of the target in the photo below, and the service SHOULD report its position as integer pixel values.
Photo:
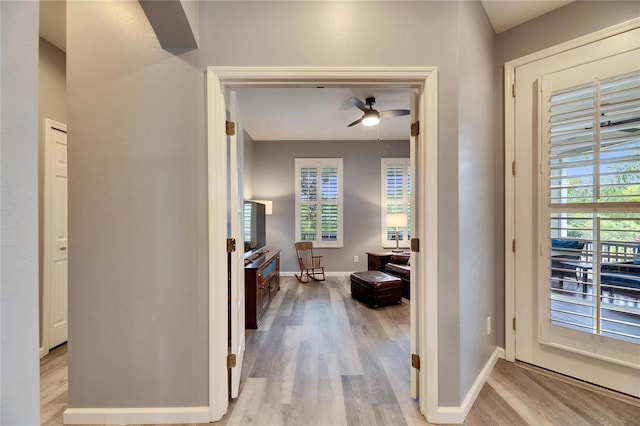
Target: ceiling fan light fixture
(370, 119)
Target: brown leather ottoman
(376, 288)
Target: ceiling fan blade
(355, 122)
(359, 104)
(394, 112)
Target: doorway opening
(425, 278)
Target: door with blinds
(577, 283)
(590, 155)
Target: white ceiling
(320, 113)
(314, 113)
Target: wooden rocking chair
(310, 265)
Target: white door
(56, 247)
(539, 338)
(237, 258)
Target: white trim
(48, 241)
(576, 42)
(428, 274)
(509, 141)
(458, 414)
(157, 415)
(509, 215)
(218, 290)
(340, 76)
(423, 78)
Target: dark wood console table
(261, 283)
(377, 261)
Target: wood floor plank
(271, 345)
(357, 401)
(399, 372)
(288, 292)
(490, 410)
(298, 307)
(272, 312)
(587, 404)
(529, 399)
(250, 403)
(304, 406)
(380, 388)
(389, 414)
(331, 407)
(286, 361)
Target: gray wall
(274, 179)
(574, 20)
(478, 163)
(137, 167)
(19, 372)
(138, 327)
(52, 104)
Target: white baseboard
(459, 414)
(157, 415)
(43, 352)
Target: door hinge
(415, 245)
(415, 361)
(514, 323)
(513, 245)
(231, 245)
(513, 168)
(513, 90)
(415, 129)
(231, 128)
(231, 361)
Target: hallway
(322, 358)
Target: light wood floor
(322, 358)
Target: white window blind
(396, 198)
(593, 191)
(319, 201)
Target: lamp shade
(396, 220)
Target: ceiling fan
(371, 116)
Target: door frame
(48, 239)
(219, 79)
(510, 149)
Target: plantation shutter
(396, 198)
(319, 201)
(592, 173)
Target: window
(319, 201)
(593, 192)
(396, 198)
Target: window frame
(385, 163)
(320, 163)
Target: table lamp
(397, 220)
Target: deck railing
(612, 251)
